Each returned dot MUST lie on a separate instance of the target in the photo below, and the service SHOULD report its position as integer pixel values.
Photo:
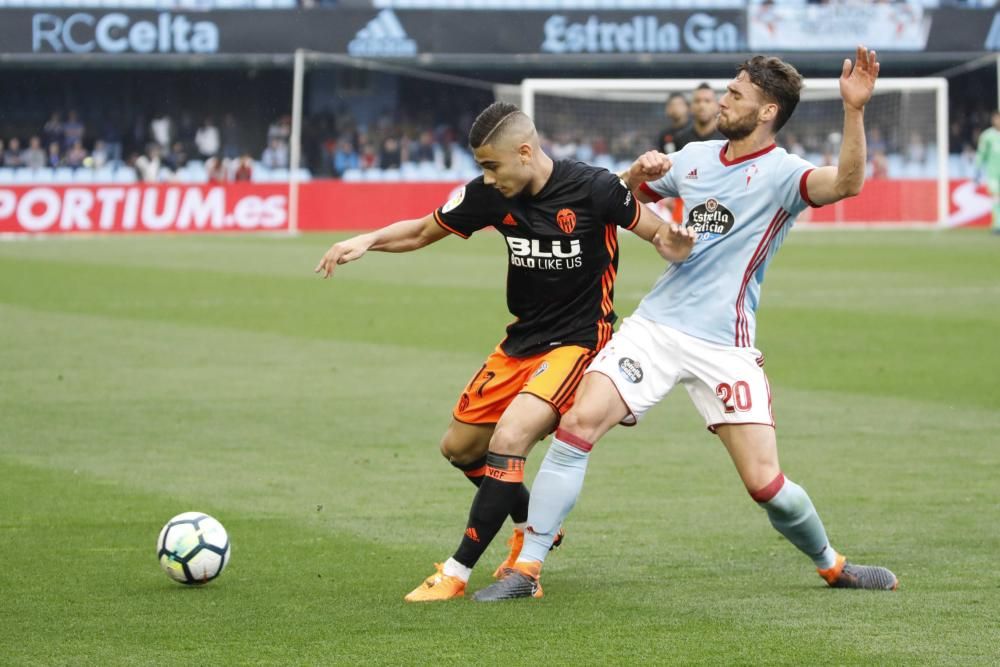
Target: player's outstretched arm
(649, 166)
(830, 184)
(674, 242)
(402, 236)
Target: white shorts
(645, 360)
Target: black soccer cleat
(516, 582)
(867, 577)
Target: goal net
(608, 122)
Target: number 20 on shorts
(736, 397)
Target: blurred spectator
(344, 158)
(215, 166)
(33, 156)
(161, 129)
(280, 129)
(73, 131)
(678, 115)
(52, 131)
(2, 154)
(424, 151)
(275, 156)
(916, 150)
(368, 158)
(149, 166)
(876, 142)
(244, 169)
(75, 155)
(111, 138)
(207, 139)
(880, 164)
(14, 157)
(391, 156)
(53, 159)
(100, 155)
(704, 114)
(177, 158)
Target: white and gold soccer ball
(193, 548)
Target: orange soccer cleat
(438, 586)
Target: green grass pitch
(143, 377)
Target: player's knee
(457, 450)
(581, 423)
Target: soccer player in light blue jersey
(696, 327)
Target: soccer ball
(193, 548)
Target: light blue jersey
(742, 211)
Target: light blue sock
(792, 514)
(553, 494)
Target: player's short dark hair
(704, 86)
(488, 121)
(780, 82)
(674, 96)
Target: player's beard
(741, 128)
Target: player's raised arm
(830, 184)
(649, 166)
(402, 236)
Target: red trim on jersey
(573, 441)
(437, 219)
(650, 192)
(770, 491)
(729, 163)
(804, 191)
(742, 321)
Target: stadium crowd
(390, 147)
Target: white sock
(453, 568)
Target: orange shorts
(552, 376)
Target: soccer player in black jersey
(559, 221)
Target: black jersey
(689, 134)
(562, 246)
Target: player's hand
(342, 253)
(858, 81)
(650, 166)
(675, 242)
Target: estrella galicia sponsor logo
(118, 32)
(711, 219)
(630, 370)
(698, 33)
(383, 36)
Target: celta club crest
(566, 219)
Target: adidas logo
(383, 36)
(471, 533)
(693, 173)
(509, 220)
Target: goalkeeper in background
(988, 164)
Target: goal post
(906, 120)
